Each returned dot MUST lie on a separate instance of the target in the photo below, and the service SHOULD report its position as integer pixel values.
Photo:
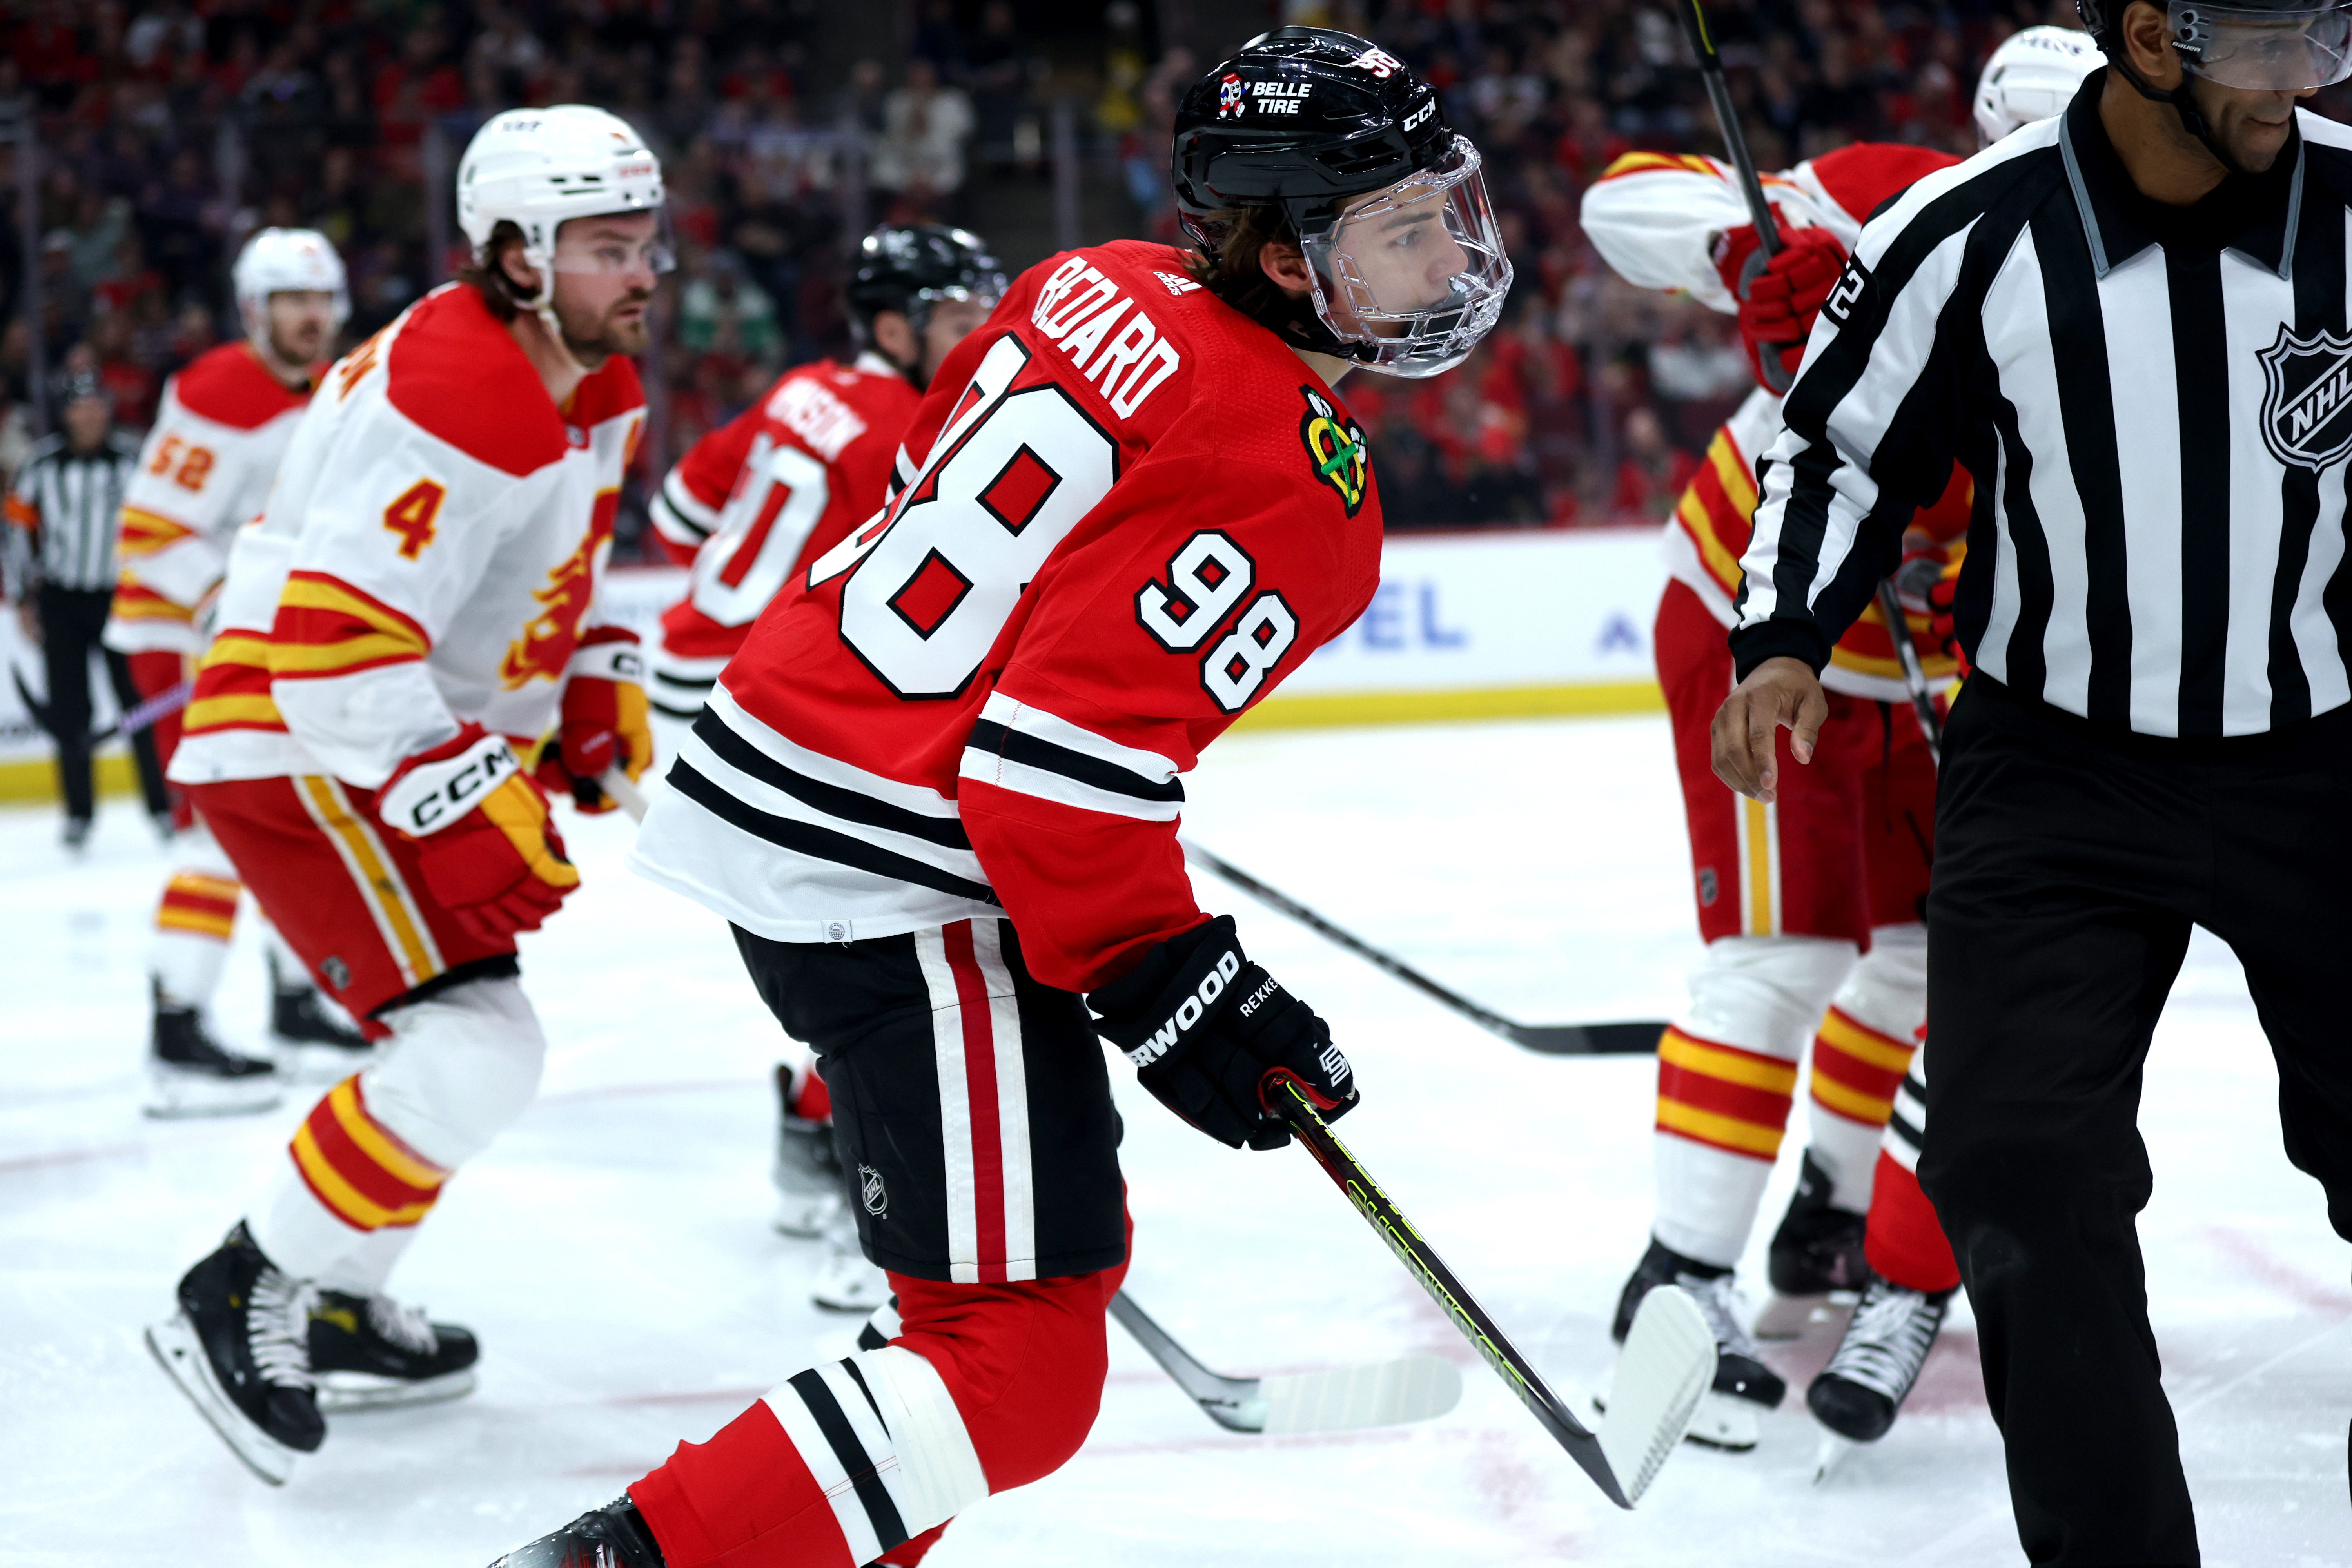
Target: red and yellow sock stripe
(359, 1168)
(1856, 1069)
(1724, 1097)
(199, 905)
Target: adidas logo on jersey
(1176, 283)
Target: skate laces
(1720, 1307)
(1886, 1343)
(278, 1329)
(404, 1326)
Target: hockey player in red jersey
(1809, 905)
(753, 503)
(936, 792)
(416, 601)
(206, 470)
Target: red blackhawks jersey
(431, 556)
(1122, 514)
(758, 498)
(204, 472)
(1654, 217)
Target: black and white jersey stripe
(678, 517)
(883, 1441)
(76, 502)
(2156, 543)
(1034, 753)
(678, 688)
(1906, 1128)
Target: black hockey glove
(1207, 1030)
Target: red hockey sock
(1000, 1387)
(811, 1100)
(1904, 1242)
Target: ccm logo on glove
(431, 796)
(1190, 1012)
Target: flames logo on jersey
(1229, 95)
(1335, 445)
(546, 645)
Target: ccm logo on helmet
(1418, 115)
(1188, 1012)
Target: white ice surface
(612, 1249)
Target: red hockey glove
(1940, 621)
(1207, 1030)
(485, 848)
(1778, 297)
(605, 719)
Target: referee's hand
(1778, 691)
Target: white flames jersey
(206, 470)
(431, 556)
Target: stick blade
(1627, 1039)
(1667, 1363)
(1348, 1399)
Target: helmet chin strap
(2184, 103)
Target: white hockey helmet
(536, 167)
(2032, 76)
(277, 260)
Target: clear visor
(2264, 51)
(616, 244)
(985, 289)
(1415, 273)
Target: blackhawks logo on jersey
(1335, 445)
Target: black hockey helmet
(2264, 46)
(1301, 119)
(1306, 120)
(910, 268)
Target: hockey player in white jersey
(417, 602)
(206, 470)
(1809, 905)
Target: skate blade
(172, 1097)
(340, 1392)
(804, 1219)
(1830, 1456)
(1349, 1399)
(177, 1350)
(1655, 1393)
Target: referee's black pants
(72, 619)
(2070, 867)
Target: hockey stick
(1775, 377)
(1667, 1363)
(1551, 1039)
(1343, 1399)
(163, 703)
(624, 791)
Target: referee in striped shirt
(64, 511)
(2129, 324)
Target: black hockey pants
(2070, 867)
(72, 621)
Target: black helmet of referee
(910, 268)
(2255, 46)
(1301, 122)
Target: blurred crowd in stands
(168, 131)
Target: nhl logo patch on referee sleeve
(1334, 444)
(2307, 398)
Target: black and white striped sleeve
(1030, 752)
(678, 515)
(1873, 423)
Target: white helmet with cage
(536, 167)
(2032, 76)
(286, 260)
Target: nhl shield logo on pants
(869, 1188)
(2307, 399)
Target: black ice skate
(317, 1042)
(1858, 1394)
(1817, 1249)
(613, 1536)
(237, 1350)
(808, 1172)
(370, 1352)
(1729, 1413)
(190, 1073)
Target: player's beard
(591, 342)
(297, 354)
